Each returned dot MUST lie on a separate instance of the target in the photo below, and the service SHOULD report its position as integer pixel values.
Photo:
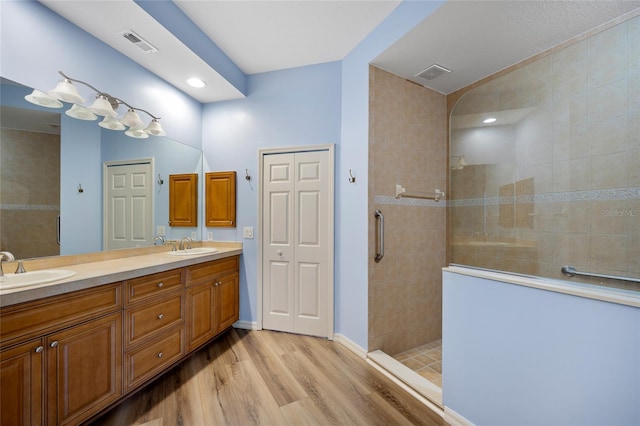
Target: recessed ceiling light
(196, 82)
(489, 120)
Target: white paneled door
(128, 204)
(297, 242)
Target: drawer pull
(159, 354)
(54, 344)
(160, 284)
(39, 349)
(160, 316)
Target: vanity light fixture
(104, 105)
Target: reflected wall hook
(80, 190)
(246, 174)
(160, 180)
(352, 178)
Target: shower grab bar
(401, 192)
(570, 271)
(379, 236)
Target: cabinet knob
(159, 354)
(160, 316)
(39, 349)
(160, 284)
(54, 344)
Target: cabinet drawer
(152, 285)
(142, 321)
(36, 318)
(204, 271)
(143, 363)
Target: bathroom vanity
(64, 358)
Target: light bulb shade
(81, 113)
(132, 119)
(66, 91)
(137, 132)
(101, 106)
(155, 129)
(111, 124)
(42, 99)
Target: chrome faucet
(5, 255)
(158, 238)
(188, 241)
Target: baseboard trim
(455, 419)
(246, 325)
(350, 344)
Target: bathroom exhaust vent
(432, 72)
(139, 42)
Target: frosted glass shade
(42, 99)
(81, 113)
(137, 133)
(111, 124)
(66, 91)
(101, 106)
(155, 129)
(132, 119)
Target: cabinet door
(220, 190)
(183, 199)
(84, 369)
(22, 390)
(227, 302)
(200, 314)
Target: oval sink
(193, 251)
(32, 278)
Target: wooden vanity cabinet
(84, 369)
(212, 300)
(21, 378)
(154, 325)
(73, 366)
(220, 199)
(66, 358)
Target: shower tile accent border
(551, 197)
(28, 207)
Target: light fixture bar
(104, 105)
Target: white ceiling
(472, 38)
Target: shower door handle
(379, 236)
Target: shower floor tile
(426, 360)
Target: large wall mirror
(51, 177)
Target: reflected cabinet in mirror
(52, 186)
(183, 199)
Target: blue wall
(515, 355)
(293, 107)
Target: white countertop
(93, 274)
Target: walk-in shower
(543, 170)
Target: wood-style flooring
(270, 378)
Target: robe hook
(352, 178)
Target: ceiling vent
(139, 42)
(433, 72)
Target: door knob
(279, 252)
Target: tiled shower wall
(29, 193)
(407, 146)
(558, 180)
